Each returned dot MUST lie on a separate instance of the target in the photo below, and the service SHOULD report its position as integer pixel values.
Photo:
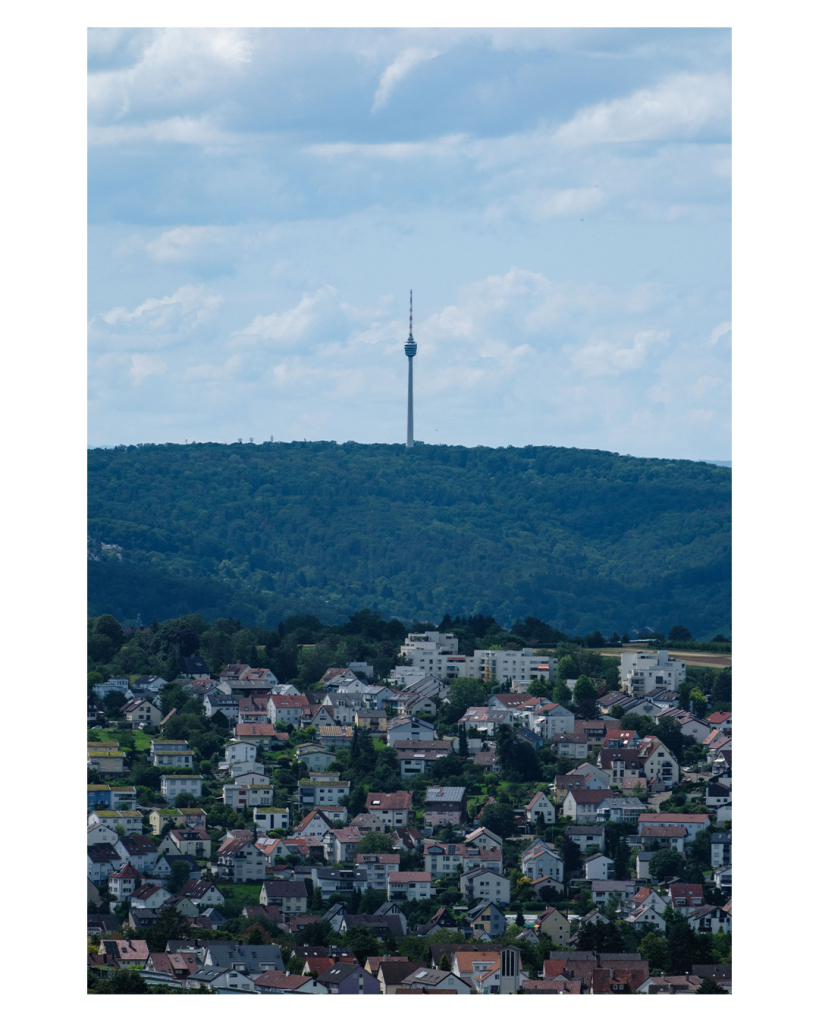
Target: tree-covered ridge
(582, 539)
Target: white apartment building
(437, 654)
(644, 671)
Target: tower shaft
(410, 440)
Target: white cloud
(288, 326)
(678, 106)
(178, 243)
(719, 332)
(188, 306)
(444, 146)
(398, 69)
(143, 365)
(607, 359)
(189, 131)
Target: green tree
(677, 634)
(561, 694)
(169, 925)
(539, 688)
(185, 800)
(500, 819)
(127, 981)
(665, 864)
(376, 842)
(653, 948)
(180, 875)
(567, 668)
(709, 987)
(584, 697)
(699, 702)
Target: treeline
(581, 539)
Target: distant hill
(582, 539)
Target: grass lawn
(141, 741)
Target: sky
(261, 201)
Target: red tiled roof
(399, 801)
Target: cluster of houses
(315, 848)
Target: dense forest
(581, 539)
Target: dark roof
(277, 887)
(394, 972)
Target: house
(341, 844)
(103, 860)
(487, 760)
(100, 834)
(720, 849)
(262, 736)
(378, 866)
(192, 842)
(316, 757)
(392, 808)
(178, 817)
(485, 884)
(392, 970)
(485, 918)
(240, 752)
(339, 880)
(484, 839)
(428, 981)
(587, 836)
(122, 883)
(239, 860)
(614, 981)
(443, 859)
(646, 918)
(125, 952)
(365, 822)
(571, 744)
(595, 777)
(662, 836)
(129, 821)
(717, 795)
(171, 754)
(691, 727)
(720, 720)
(554, 924)
(540, 809)
(289, 897)
(408, 885)
(286, 708)
(149, 897)
(106, 759)
(602, 891)
(138, 851)
(685, 897)
(238, 796)
(417, 762)
(164, 864)
(620, 739)
(140, 712)
(551, 719)
(598, 866)
(541, 859)
(171, 786)
(408, 727)
(620, 809)
(224, 702)
(581, 804)
(174, 965)
(486, 720)
(445, 805)
(620, 764)
(285, 983)
(269, 818)
(710, 919)
(384, 926)
(350, 979)
(643, 671)
(658, 762)
(723, 880)
(335, 737)
(693, 823)
(315, 824)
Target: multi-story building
(437, 654)
(172, 785)
(643, 671)
(392, 808)
(323, 789)
(445, 805)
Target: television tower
(409, 351)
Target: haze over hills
(582, 539)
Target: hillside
(582, 539)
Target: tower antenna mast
(409, 350)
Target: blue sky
(261, 201)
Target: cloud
(143, 365)
(400, 68)
(289, 326)
(444, 146)
(187, 131)
(607, 359)
(719, 332)
(678, 106)
(189, 306)
(178, 243)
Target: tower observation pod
(409, 351)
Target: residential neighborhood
(496, 822)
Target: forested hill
(581, 539)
